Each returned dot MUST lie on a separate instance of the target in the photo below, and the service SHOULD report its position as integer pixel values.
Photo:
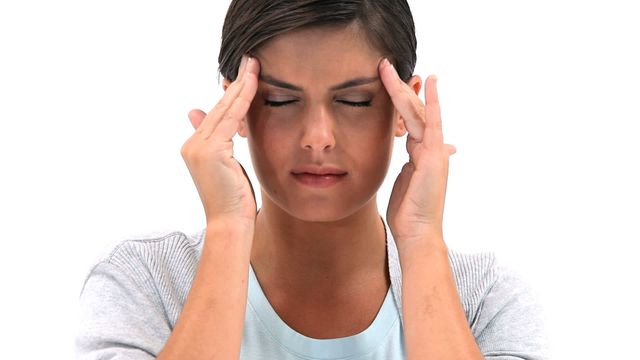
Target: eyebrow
(347, 84)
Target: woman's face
(320, 108)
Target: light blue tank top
(267, 336)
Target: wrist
(428, 246)
(231, 224)
(231, 230)
(422, 263)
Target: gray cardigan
(131, 300)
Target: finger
(433, 119)
(228, 125)
(196, 116)
(451, 149)
(210, 122)
(404, 99)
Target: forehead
(319, 55)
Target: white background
(539, 97)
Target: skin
(316, 251)
(332, 238)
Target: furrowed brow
(279, 83)
(347, 84)
(354, 82)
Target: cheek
(267, 135)
(265, 121)
(375, 125)
(376, 138)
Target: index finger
(228, 124)
(404, 99)
(211, 120)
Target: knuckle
(417, 112)
(190, 149)
(228, 116)
(186, 150)
(222, 104)
(243, 102)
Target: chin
(322, 211)
(316, 215)
(319, 205)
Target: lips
(319, 181)
(318, 170)
(320, 173)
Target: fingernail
(388, 63)
(249, 65)
(395, 72)
(243, 61)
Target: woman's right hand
(224, 188)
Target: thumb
(196, 116)
(451, 149)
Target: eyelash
(349, 103)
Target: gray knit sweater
(131, 301)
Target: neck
(292, 253)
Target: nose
(318, 130)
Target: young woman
(320, 89)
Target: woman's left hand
(416, 205)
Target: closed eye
(278, 103)
(356, 104)
(349, 103)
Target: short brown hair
(249, 23)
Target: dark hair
(249, 23)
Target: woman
(320, 89)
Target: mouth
(321, 180)
(325, 170)
(319, 173)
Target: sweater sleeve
(120, 317)
(509, 323)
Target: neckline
(354, 345)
